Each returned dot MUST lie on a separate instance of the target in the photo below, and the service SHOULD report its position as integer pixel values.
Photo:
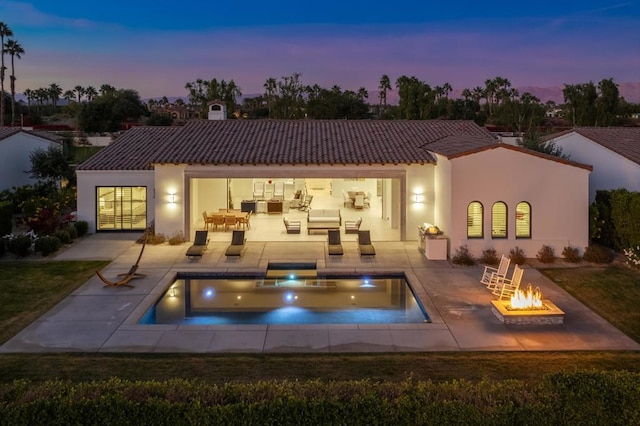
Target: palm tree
(69, 95)
(446, 87)
(107, 89)
(54, 94)
(79, 92)
(385, 84)
(5, 31)
(90, 92)
(14, 49)
(270, 90)
(29, 94)
(41, 95)
(363, 94)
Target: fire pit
(527, 308)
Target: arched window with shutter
(523, 220)
(499, 220)
(475, 219)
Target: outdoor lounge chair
(293, 226)
(237, 244)
(352, 226)
(335, 245)
(200, 243)
(490, 275)
(306, 203)
(364, 244)
(507, 287)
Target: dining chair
(229, 220)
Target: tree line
(496, 103)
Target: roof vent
(217, 110)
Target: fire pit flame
(528, 299)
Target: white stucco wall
(14, 158)
(557, 193)
(88, 180)
(170, 217)
(442, 194)
(610, 170)
(420, 181)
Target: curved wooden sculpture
(124, 281)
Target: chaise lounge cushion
(200, 243)
(237, 244)
(364, 244)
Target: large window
(523, 220)
(121, 208)
(499, 220)
(475, 220)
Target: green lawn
(613, 292)
(32, 288)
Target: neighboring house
(453, 174)
(16, 144)
(614, 153)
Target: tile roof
(285, 142)
(524, 151)
(132, 150)
(459, 144)
(6, 132)
(621, 140)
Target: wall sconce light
(418, 197)
(172, 292)
(172, 198)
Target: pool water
(289, 299)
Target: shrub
(177, 239)
(517, 256)
(20, 245)
(633, 256)
(63, 236)
(546, 254)
(82, 227)
(571, 254)
(489, 257)
(157, 239)
(73, 232)
(598, 254)
(463, 257)
(47, 245)
(6, 217)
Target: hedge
(596, 398)
(6, 217)
(615, 219)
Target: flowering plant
(633, 256)
(46, 214)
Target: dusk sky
(155, 47)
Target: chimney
(217, 110)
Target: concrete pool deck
(95, 318)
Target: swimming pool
(292, 297)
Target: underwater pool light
(289, 297)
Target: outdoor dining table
(241, 217)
